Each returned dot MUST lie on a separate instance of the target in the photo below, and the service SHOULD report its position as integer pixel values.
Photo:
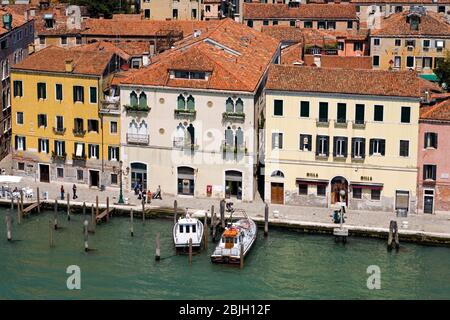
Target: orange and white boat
(243, 232)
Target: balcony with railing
(340, 123)
(185, 144)
(233, 116)
(78, 132)
(138, 138)
(59, 131)
(79, 160)
(359, 124)
(185, 113)
(110, 105)
(322, 122)
(58, 157)
(136, 108)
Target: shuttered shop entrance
(277, 193)
(402, 200)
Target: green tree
(443, 71)
(104, 7)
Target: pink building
(433, 158)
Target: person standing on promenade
(74, 189)
(62, 192)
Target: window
(410, 43)
(43, 145)
(358, 148)
(17, 88)
(250, 23)
(42, 120)
(80, 175)
(302, 189)
(175, 14)
(41, 91)
(321, 190)
(307, 24)
(93, 94)
(406, 115)
(60, 172)
(378, 113)
(277, 140)
(93, 151)
(397, 62)
(359, 114)
(194, 14)
(357, 193)
(323, 111)
(275, 22)
(426, 62)
(376, 61)
(265, 22)
(426, 43)
(114, 178)
(20, 143)
(431, 140)
(322, 146)
(92, 125)
(63, 40)
(190, 102)
(79, 149)
(331, 25)
(439, 44)
(134, 99)
(78, 40)
(113, 127)
(414, 22)
(113, 153)
(357, 46)
(340, 45)
(321, 24)
(292, 23)
(398, 9)
(305, 142)
(441, 9)
(59, 123)
(429, 172)
(404, 148)
(375, 194)
(78, 94)
(60, 148)
(376, 41)
(410, 62)
(278, 108)
(349, 24)
(304, 109)
(196, 75)
(59, 92)
(21, 166)
(340, 147)
(377, 147)
(147, 13)
(341, 113)
(398, 42)
(78, 125)
(41, 40)
(19, 117)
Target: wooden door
(44, 171)
(277, 193)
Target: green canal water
(286, 265)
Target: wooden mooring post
(68, 206)
(55, 215)
(86, 236)
(205, 230)
(175, 206)
(93, 219)
(158, 248)
(107, 209)
(19, 212)
(143, 210)
(19, 216)
(21, 202)
(214, 225)
(241, 256)
(132, 223)
(8, 227)
(393, 240)
(84, 210)
(96, 206)
(190, 251)
(222, 213)
(38, 201)
(266, 220)
(50, 233)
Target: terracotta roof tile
(440, 111)
(293, 34)
(431, 24)
(52, 59)
(309, 11)
(17, 19)
(342, 62)
(348, 81)
(103, 46)
(236, 55)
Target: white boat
(244, 232)
(187, 228)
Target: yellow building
(412, 40)
(339, 131)
(172, 9)
(64, 127)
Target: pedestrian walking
(74, 189)
(62, 192)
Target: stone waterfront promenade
(421, 227)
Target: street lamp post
(121, 200)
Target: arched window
(133, 99)
(277, 173)
(229, 137)
(142, 100)
(133, 127)
(229, 105)
(178, 141)
(143, 128)
(239, 106)
(181, 103)
(190, 103)
(239, 137)
(191, 134)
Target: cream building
(341, 129)
(189, 117)
(172, 9)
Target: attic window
(197, 75)
(49, 22)
(414, 22)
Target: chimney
(317, 60)
(69, 65)
(145, 59)
(7, 21)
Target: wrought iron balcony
(59, 158)
(233, 116)
(137, 138)
(59, 131)
(322, 122)
(359, 124)
(110, 105)
(79, 132)
(185, 113)
(136, 108)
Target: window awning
(430, 77)
(372, 186)
(311, 181)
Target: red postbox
(209, 190)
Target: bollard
(50, 233)
(132, 223)
(68, 206)
(38, 201)
(205, 230)
(55, 215)
(8, 227)
(175, 205)
(266, 220)
(158, 248)
(241, 256)
(86, 243)
(190, 251)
